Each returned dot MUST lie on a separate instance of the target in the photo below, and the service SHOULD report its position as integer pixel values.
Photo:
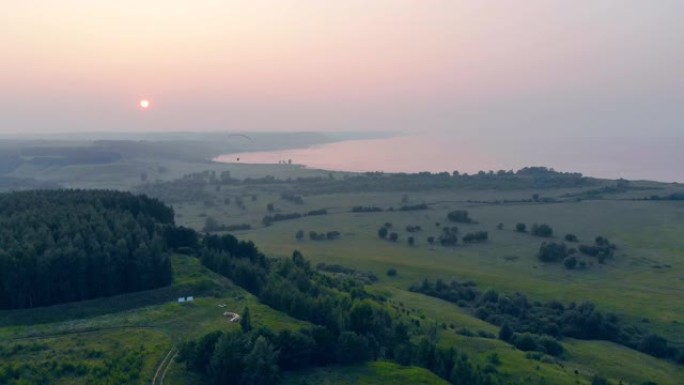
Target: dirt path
(163, 366)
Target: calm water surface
(631, 158)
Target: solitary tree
(542, 230)
(382, 233)
(520, 227)
(411, 241)
(246, 321)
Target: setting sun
(145, 104)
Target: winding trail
(163, 366)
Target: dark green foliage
(570, 262)
(391, 272)
(449, 236)
(655, 346)
(598, 380)
(294, 198)
(246, 320)
(505, 333)
(269, 219)
(515, 313)
(352, 348)
(411, 241)
(413, 228)
(181, 237)
(602, 249)
(393, 237)
(571, 238)
(299, 235)
(261, 366)
(366, 209)
(478, 236)
(71, 245)
(212, 225)
(552, 252)
(237, 260)
(542, 230)
(524, 341)
(382, 233)
(460, 216)
(520, 227)
(352, 326)
(417, 207)
(364, 277)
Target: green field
(130, 335)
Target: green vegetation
(63, 246)
(634, 287)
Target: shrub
(520, 227)
(391, 272)
(382, 233)
(571, 237)
(570, 263)
(460, 216)
(552, 252)
(542, 230)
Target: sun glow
(144, 104)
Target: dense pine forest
(59, 246)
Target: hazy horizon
(494, 69)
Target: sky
(497, 68)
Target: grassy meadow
(643, 282)
(123, 339)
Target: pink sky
(485, 67)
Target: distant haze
(489, 69)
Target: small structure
(189, 299)
(181, 299)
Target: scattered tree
(382, 233)
(542, 230)
(460, 216)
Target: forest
(60, 246)
(351, 325)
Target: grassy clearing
(148, 323)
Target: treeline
(526, 178)
(515, 314)
(212, 225)
(366, 209)
(351, 325)
(196, 186)
(61, 246)
(316, 236)
(267, 220)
